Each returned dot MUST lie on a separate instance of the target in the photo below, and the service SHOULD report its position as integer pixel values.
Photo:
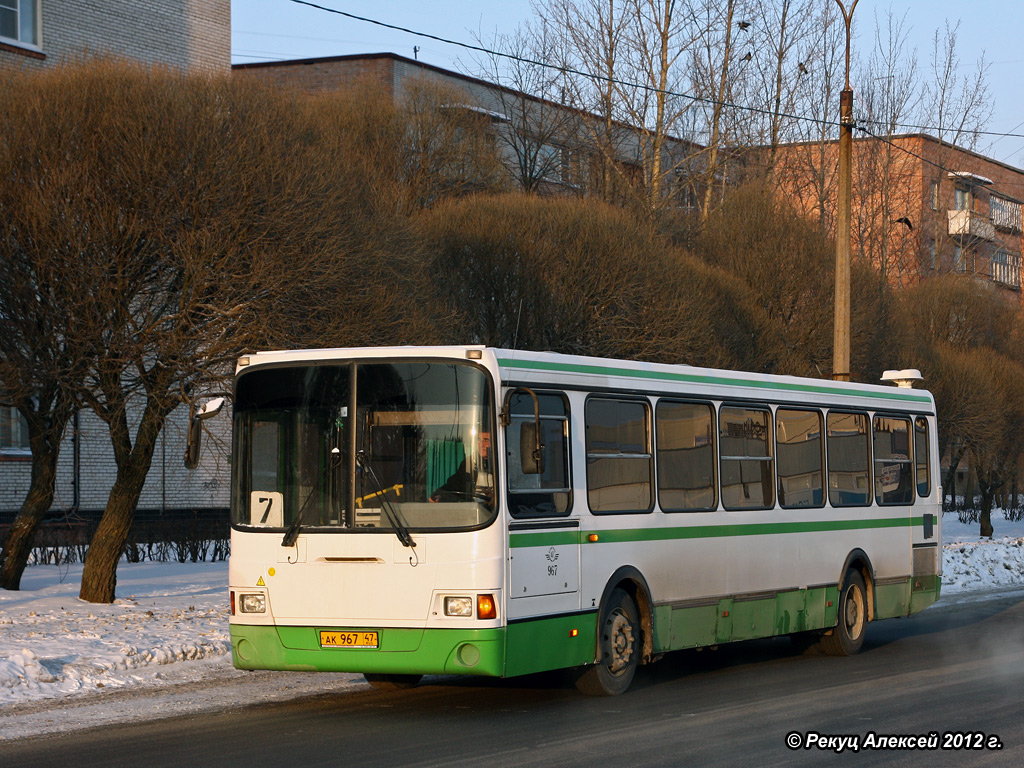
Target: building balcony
(971, 226)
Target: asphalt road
(951, 670)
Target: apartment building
(188, 34)
(920, 207)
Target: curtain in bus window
(921, 457)
(443, 459)
(619, 465)
(686, 459)
(893, 483)
(798, 444)
(849, 459)
(746, 462)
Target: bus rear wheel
(618, 641)
(391, 682)
(848, 635)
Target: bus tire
(619, 648)
(391, 682)
(848, 635)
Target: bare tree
(41, 364)
(542, 139)
(809, 173)
(885, 196)
(193, 218)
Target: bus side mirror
(531, 452)
(195, 430)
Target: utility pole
(841, 342)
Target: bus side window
(849, 459)
(798, 448)
(891, 438)
(686, 456)
(619, 457)
(549, 493)
(921, 457)
(744, 442)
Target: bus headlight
(458, 606)
(252, 603)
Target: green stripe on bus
(544, 539)
(693, 378)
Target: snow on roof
(970, 178)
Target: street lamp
(841, 342)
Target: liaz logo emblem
(552, 555)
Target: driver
(467, 484)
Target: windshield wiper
(293, 530)
(401, 531)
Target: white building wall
(189, 34)
(168, 486)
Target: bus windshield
(368, 446)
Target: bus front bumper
(400, 651)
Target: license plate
(334, 639)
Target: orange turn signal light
(573, 632)
(485, 607)
(592, 537)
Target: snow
(162, 648)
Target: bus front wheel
(848, 635)
(391, 682)
(618, 642)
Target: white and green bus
(476, 511)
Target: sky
(162, 648)
(269, 30)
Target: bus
(467, 510)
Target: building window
(13, 432)
(19, 21)
(963, 199)
(935, 195)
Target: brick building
(189, 34)
(920, 207)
